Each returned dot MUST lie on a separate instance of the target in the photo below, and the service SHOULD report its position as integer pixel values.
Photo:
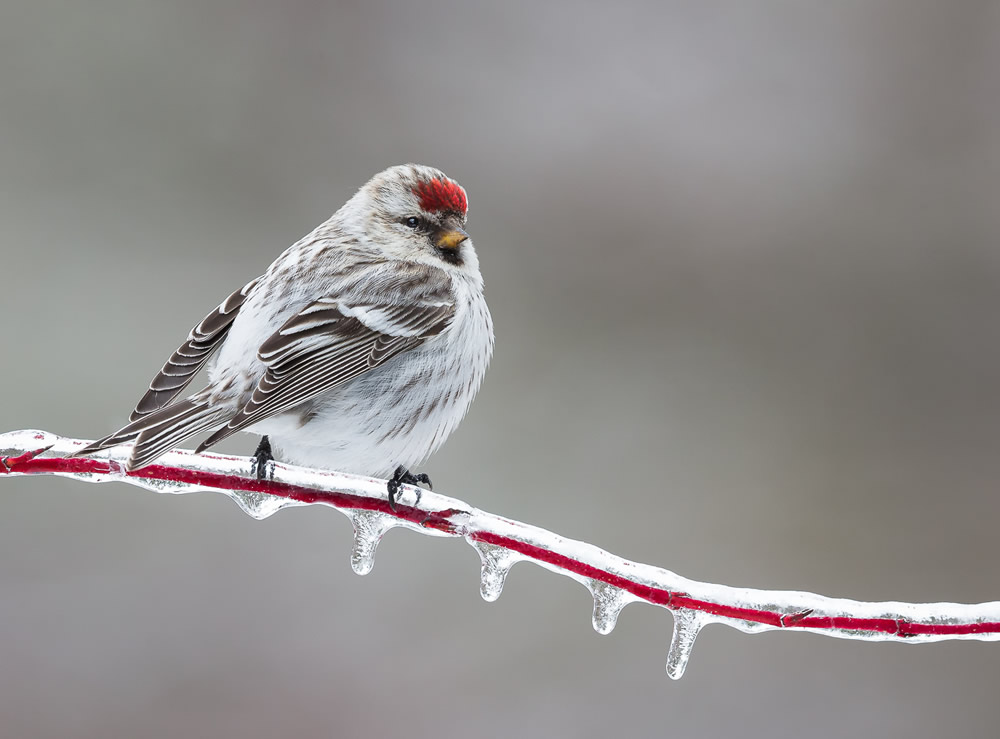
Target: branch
(614, 582)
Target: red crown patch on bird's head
(439, 195)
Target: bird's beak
(450, 238)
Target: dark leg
(261, 458)
(402, 476)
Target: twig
(613, 581)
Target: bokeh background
(743, 261)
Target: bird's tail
(160, 431)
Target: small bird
(360, 349)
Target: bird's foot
(262, 466)
(403, 476)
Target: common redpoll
(359, 349)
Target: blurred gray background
(743, 263)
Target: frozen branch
(613, 581)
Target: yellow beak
(450, 239)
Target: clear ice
(687, 625)
(609, 601)
(979, 620)
(369, 527)
(497, 562)
(259, 505)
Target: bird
(360, 349)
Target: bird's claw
(403, 476)
(262, 466)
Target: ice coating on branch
(687, 625)
(259, 505)
(497, 562)
(501, 542)
(608, 603)
(369, 528)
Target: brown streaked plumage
(359, 349)
(191, 356)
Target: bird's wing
(191, 356)
(328, 343)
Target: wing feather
(328, 343)
(191, 356)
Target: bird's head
(415, 213)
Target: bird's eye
(412, 222)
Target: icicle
(259, 505)
(497, 562)
(608, 603)
(687, 624)
(369, 527)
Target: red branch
(744, 609)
